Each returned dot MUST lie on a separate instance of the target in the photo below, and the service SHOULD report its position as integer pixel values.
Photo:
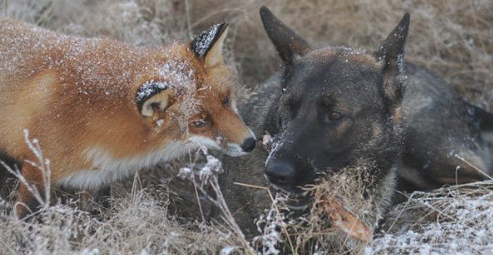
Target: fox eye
(198, 123)
(334, 117)
(226, 101)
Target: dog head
(338, 105)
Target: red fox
(102, 109)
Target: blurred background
(453, 38)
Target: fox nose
(280, 173)
(248, 145)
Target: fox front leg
(27, 203)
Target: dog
(330, 109)
(100, 109)
(443, 135)
(419, 133)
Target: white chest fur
(107, 169)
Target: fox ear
(209, 45)
(153, 98)
(288, 44)
(391, 55)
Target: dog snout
(248, 144)
(280, 173)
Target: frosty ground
(452, 38)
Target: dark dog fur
(440, 139)
(443, 142)
(332, 108)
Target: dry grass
(137, 222)
(453, 38)
(450, 220)
(344, 211)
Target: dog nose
(280, 172)
(248, 145)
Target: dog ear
(288, 44)
(391, 55)
(209, 45)
(153, 98)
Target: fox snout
(246, 145)
(237, 138)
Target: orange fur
(78, 98)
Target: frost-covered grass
(451, 220)
(454, 220)
(453, 38)
(137, 222)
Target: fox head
(190, 97)
(337, 106)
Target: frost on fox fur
(149, 88)
(202, 45)
(92, 70)
(232, 149)
(104, 109)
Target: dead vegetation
(340, 217)
(450, 220)
(453, 38)
(137, 222)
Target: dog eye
(199, 123)
(334, 117)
